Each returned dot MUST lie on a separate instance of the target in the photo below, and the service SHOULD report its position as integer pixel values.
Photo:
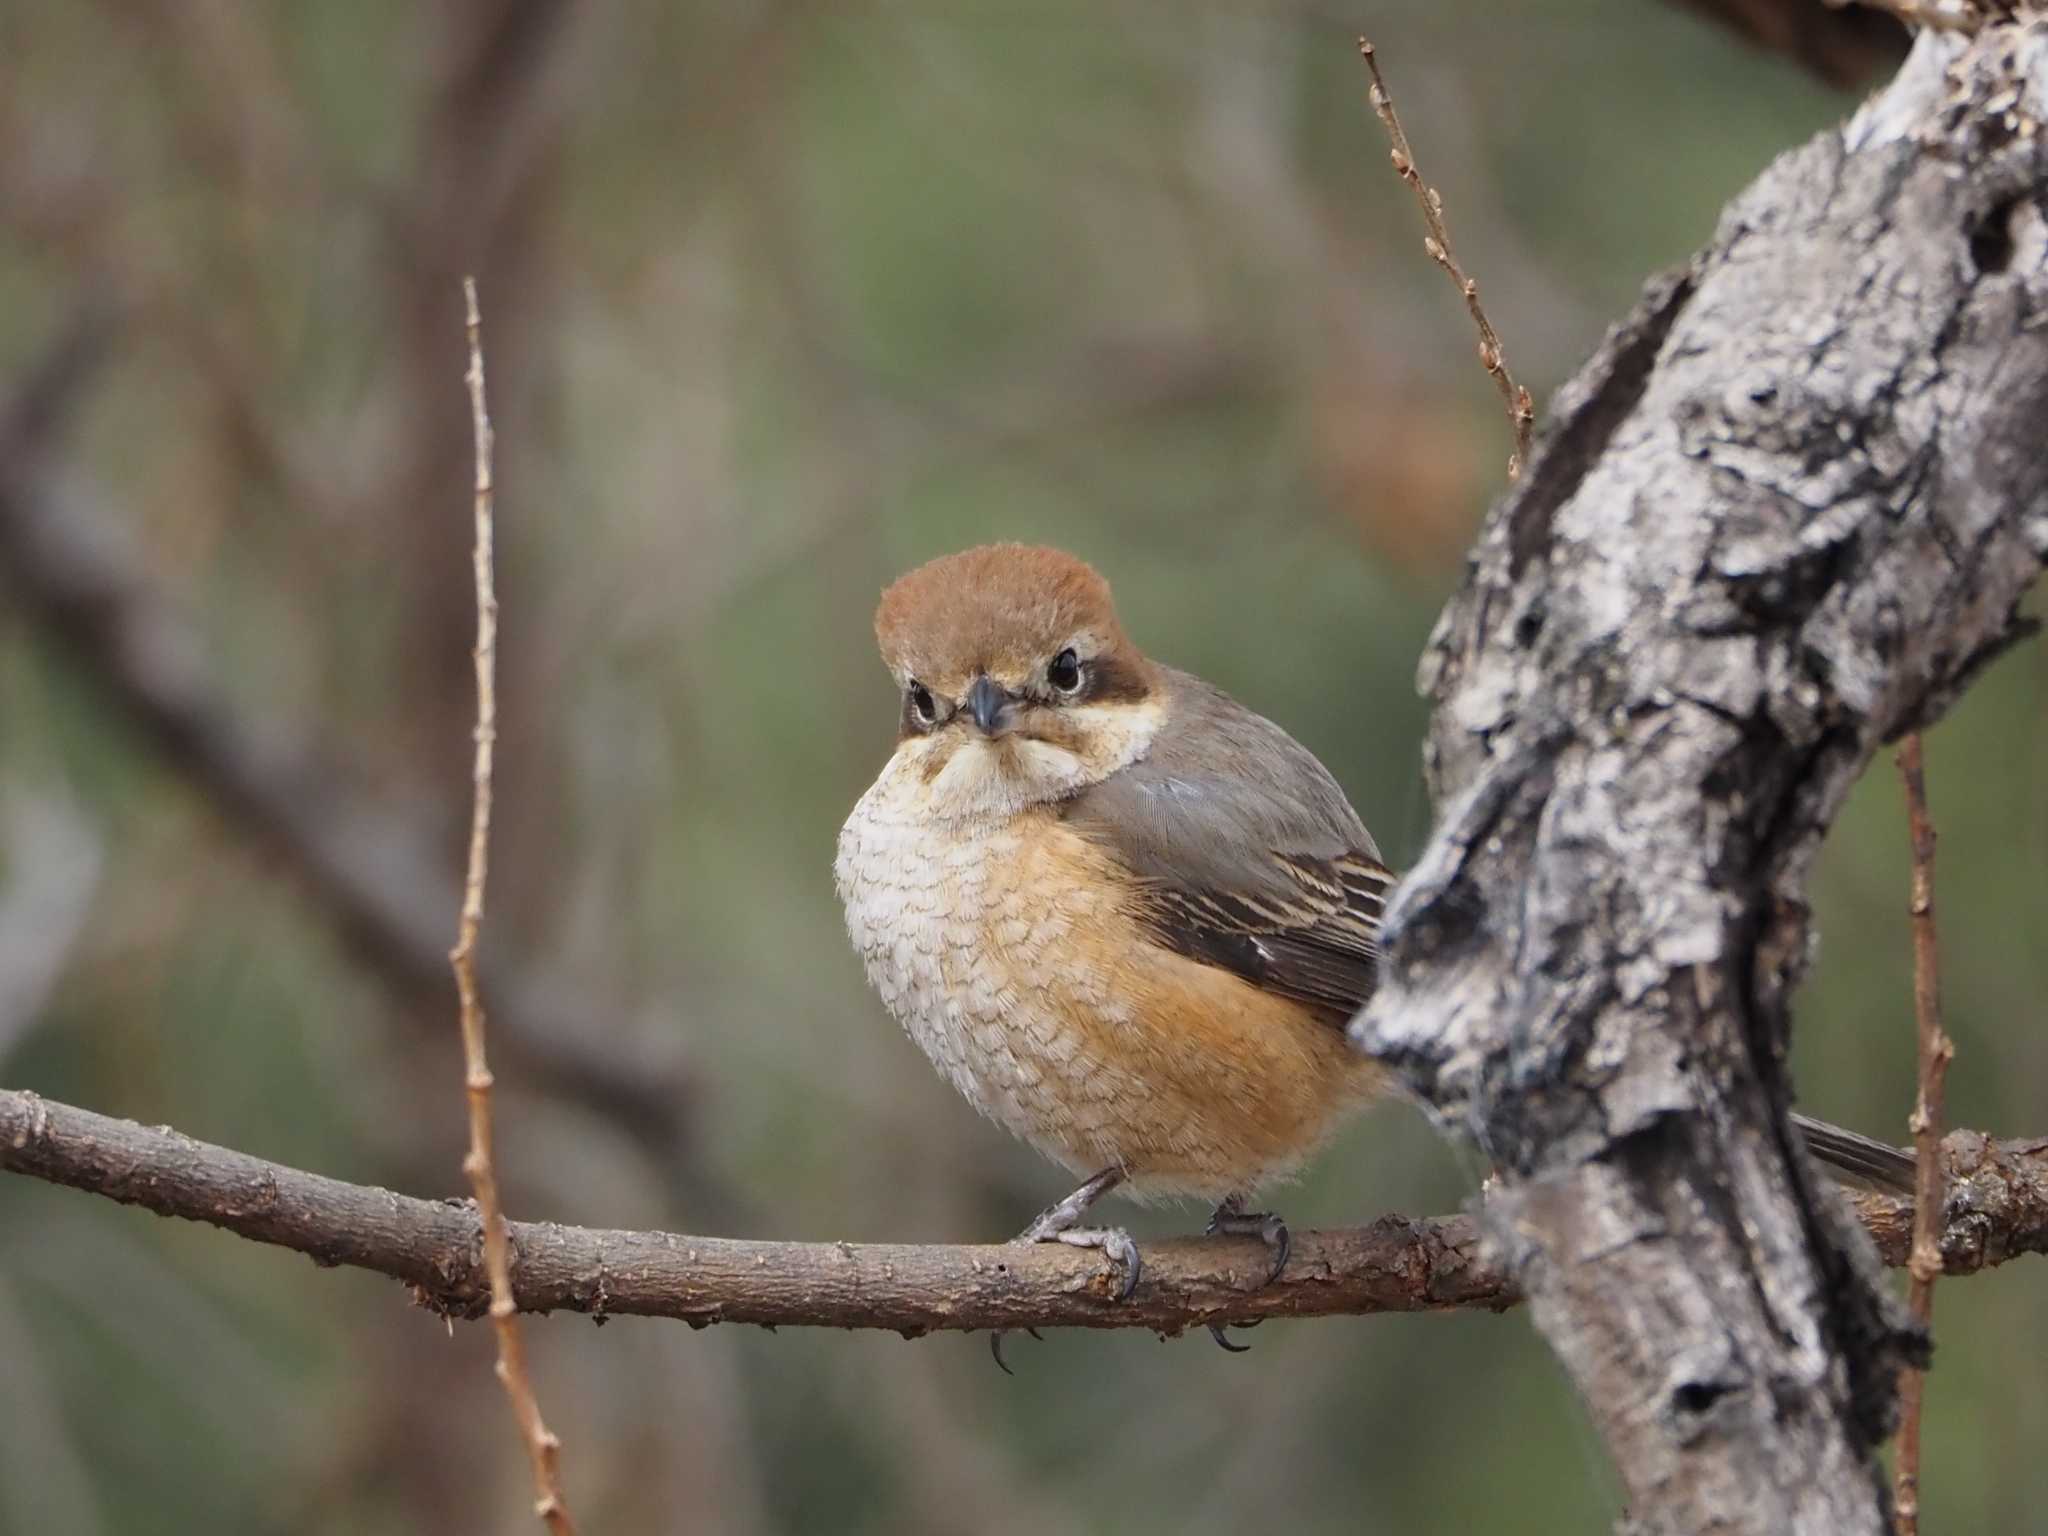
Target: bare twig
(1521, 412)
(1923, 1262)
(1998, 1211)
(542, 1445)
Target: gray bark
(1784, 515)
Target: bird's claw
(1229, 1221)
(995, 1347)
(1057, 1225)
(1222, 1342)
(1116, 1246)
(1232, 1220)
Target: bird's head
(1018, 684)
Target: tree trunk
(1782, 518)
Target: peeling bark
(1782, 517)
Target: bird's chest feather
(980, 938)
(1007, 948)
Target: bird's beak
(990, 706)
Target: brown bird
(1124, 915)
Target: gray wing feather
(1249, 854)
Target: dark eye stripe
(1111, 680)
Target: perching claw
(995, 1347)
(1058, 1224)
(1231, 1219)
(1216, 1333)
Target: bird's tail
(1857, 1159)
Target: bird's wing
(1245, 852)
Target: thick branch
(1995, 1205)
(1999, 1209)
(1782, 518)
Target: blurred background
(780, 300)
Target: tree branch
(1998, 1210)
(1783, 517)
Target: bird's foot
(1068, 1212)
(1231, 1219)
(1115, 1243)
(1061, 1224)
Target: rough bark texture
(1997, 1210)
(1781, 518)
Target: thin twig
(543, 1448)
(1998, 1211)
(1437, 242)
(67, 557)
(1923, 1262)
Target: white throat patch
(998, 779)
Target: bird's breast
(1009, 952)
(975, 935)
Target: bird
(1124, 915)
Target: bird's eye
(1065, 672)
(921, 704)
